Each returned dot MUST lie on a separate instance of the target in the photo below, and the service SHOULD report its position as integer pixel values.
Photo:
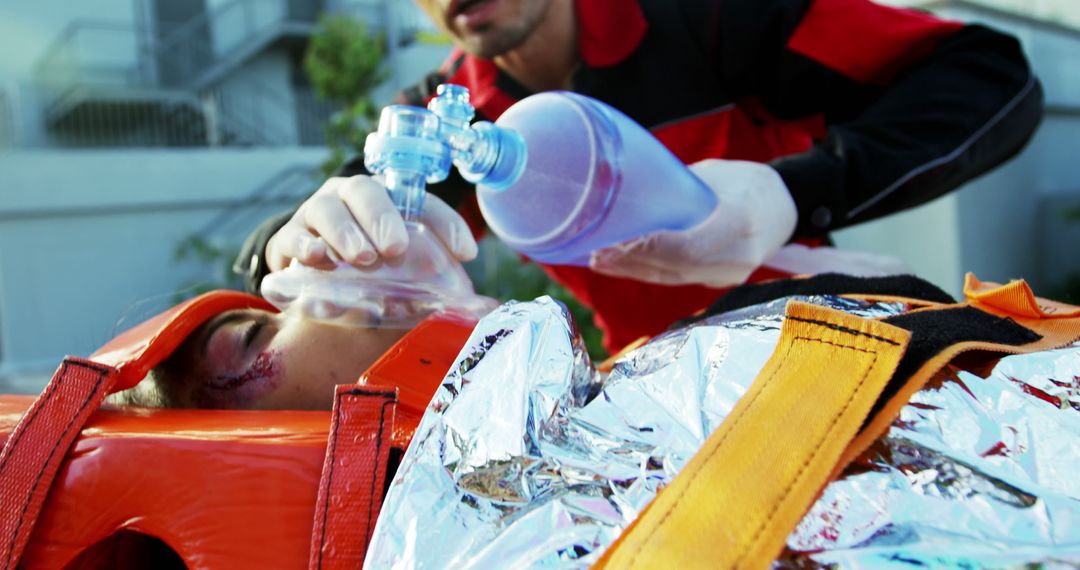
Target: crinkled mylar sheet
(527, 457)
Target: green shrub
(345, 63)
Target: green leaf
(344, 62)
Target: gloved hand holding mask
(348, 257)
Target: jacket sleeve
(250, 262)
(913, 106)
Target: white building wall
(27, 101)
(87, 237)
(924, 238)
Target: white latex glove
(801, 260)
(357, 220)
(754, 217)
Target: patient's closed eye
(233, 338)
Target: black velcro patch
(824, 284)
(934, 331)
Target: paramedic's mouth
(472, 14)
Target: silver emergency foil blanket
(978, 471)
(529, 458)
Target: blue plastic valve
(409, 152)
(415, 146)
(483, 153)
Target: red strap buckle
(353, 476)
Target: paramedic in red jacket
(823, 113)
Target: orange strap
(737, 500)
(37, 446)
(353, 477)
(1016, 299)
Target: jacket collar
(608, 30)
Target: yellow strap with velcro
(736, 501)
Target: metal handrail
(64, 61)
(213, 118)
(184, 58)
(188, 41)
(185, 38)
(288, 187)
(186, 30)
(232, 107)
(241, 114)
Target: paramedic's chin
(254, 359)
(488, 28)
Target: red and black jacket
(863, 109)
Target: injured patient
(256, 359)
(332, 326)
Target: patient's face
(259, 360)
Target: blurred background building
(129, 133)
(129, 127)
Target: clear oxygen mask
(400, 291)
(393, 292)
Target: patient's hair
(152, 392)
(167, 385)
(259, 361)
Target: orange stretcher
(89, 487)
(84, 487)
